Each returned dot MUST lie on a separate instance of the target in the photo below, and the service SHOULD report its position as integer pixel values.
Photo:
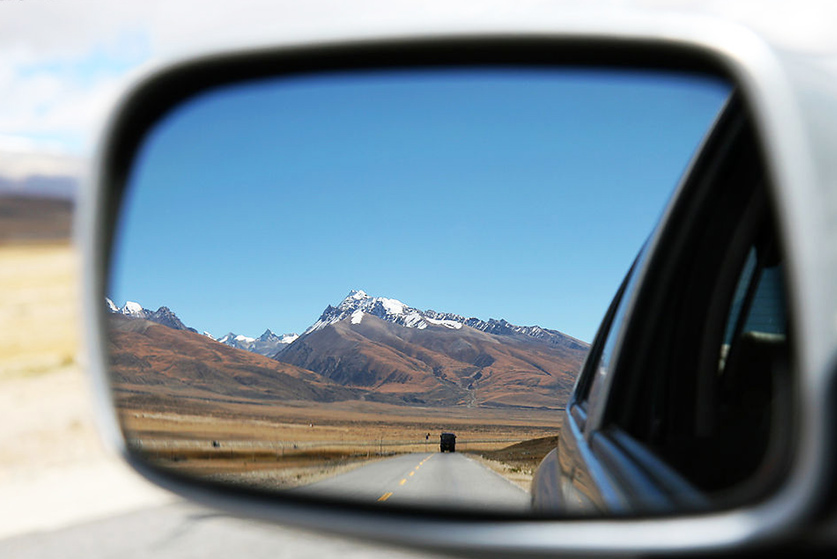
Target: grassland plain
(518, 462)
(289, 444)
(38, 308)
(201, 408)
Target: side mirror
(245, 193)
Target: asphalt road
(185, 531)
(439, 479)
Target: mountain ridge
(266, 344)
(365, 348)
(393, 310)
(382, 344)
(162, 315)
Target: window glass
(740, 295)
(767, 312)
(760, 295)
(605, 362)
(705, 388)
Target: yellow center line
(388, 494)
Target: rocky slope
(429, 358)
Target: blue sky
(512, 194)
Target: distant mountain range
(163, 315)
(358, 303)
(27, 218)
(431, 358)
(154, 366)
(267, 344)
(63, 187)
(366, 348)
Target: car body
(705, 419)
(779, 133)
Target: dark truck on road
(447, 441)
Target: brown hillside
(29, 218)
(439, 365)
(148, 358)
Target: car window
(604, 363)
(599, 359)
(768, 308)
(705, 388)
(758, 305)
(740, 295)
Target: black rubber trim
(160, 93)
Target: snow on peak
(393, 306)
(357, 316)
(111, 306)
(134, 310)
(267, 344)
(391, 310)
(446, 323)
(132, 307)
(358, 304)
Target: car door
(563, 483)
(684, 402)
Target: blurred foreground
(53, 469)
(61, 493)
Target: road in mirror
(381, 286)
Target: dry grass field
(38, 308)
(518, 462)
(292, 444)
(44, 408)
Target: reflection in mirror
(511, 202)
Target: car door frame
(599, 463)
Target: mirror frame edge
(164, 89)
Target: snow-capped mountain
(358, 303)
(399, 353)
(370, 348)
(111, 306)
(267, 344)
(163, 315)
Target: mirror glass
(381, 285)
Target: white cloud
(22, 157)
(63, 63)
